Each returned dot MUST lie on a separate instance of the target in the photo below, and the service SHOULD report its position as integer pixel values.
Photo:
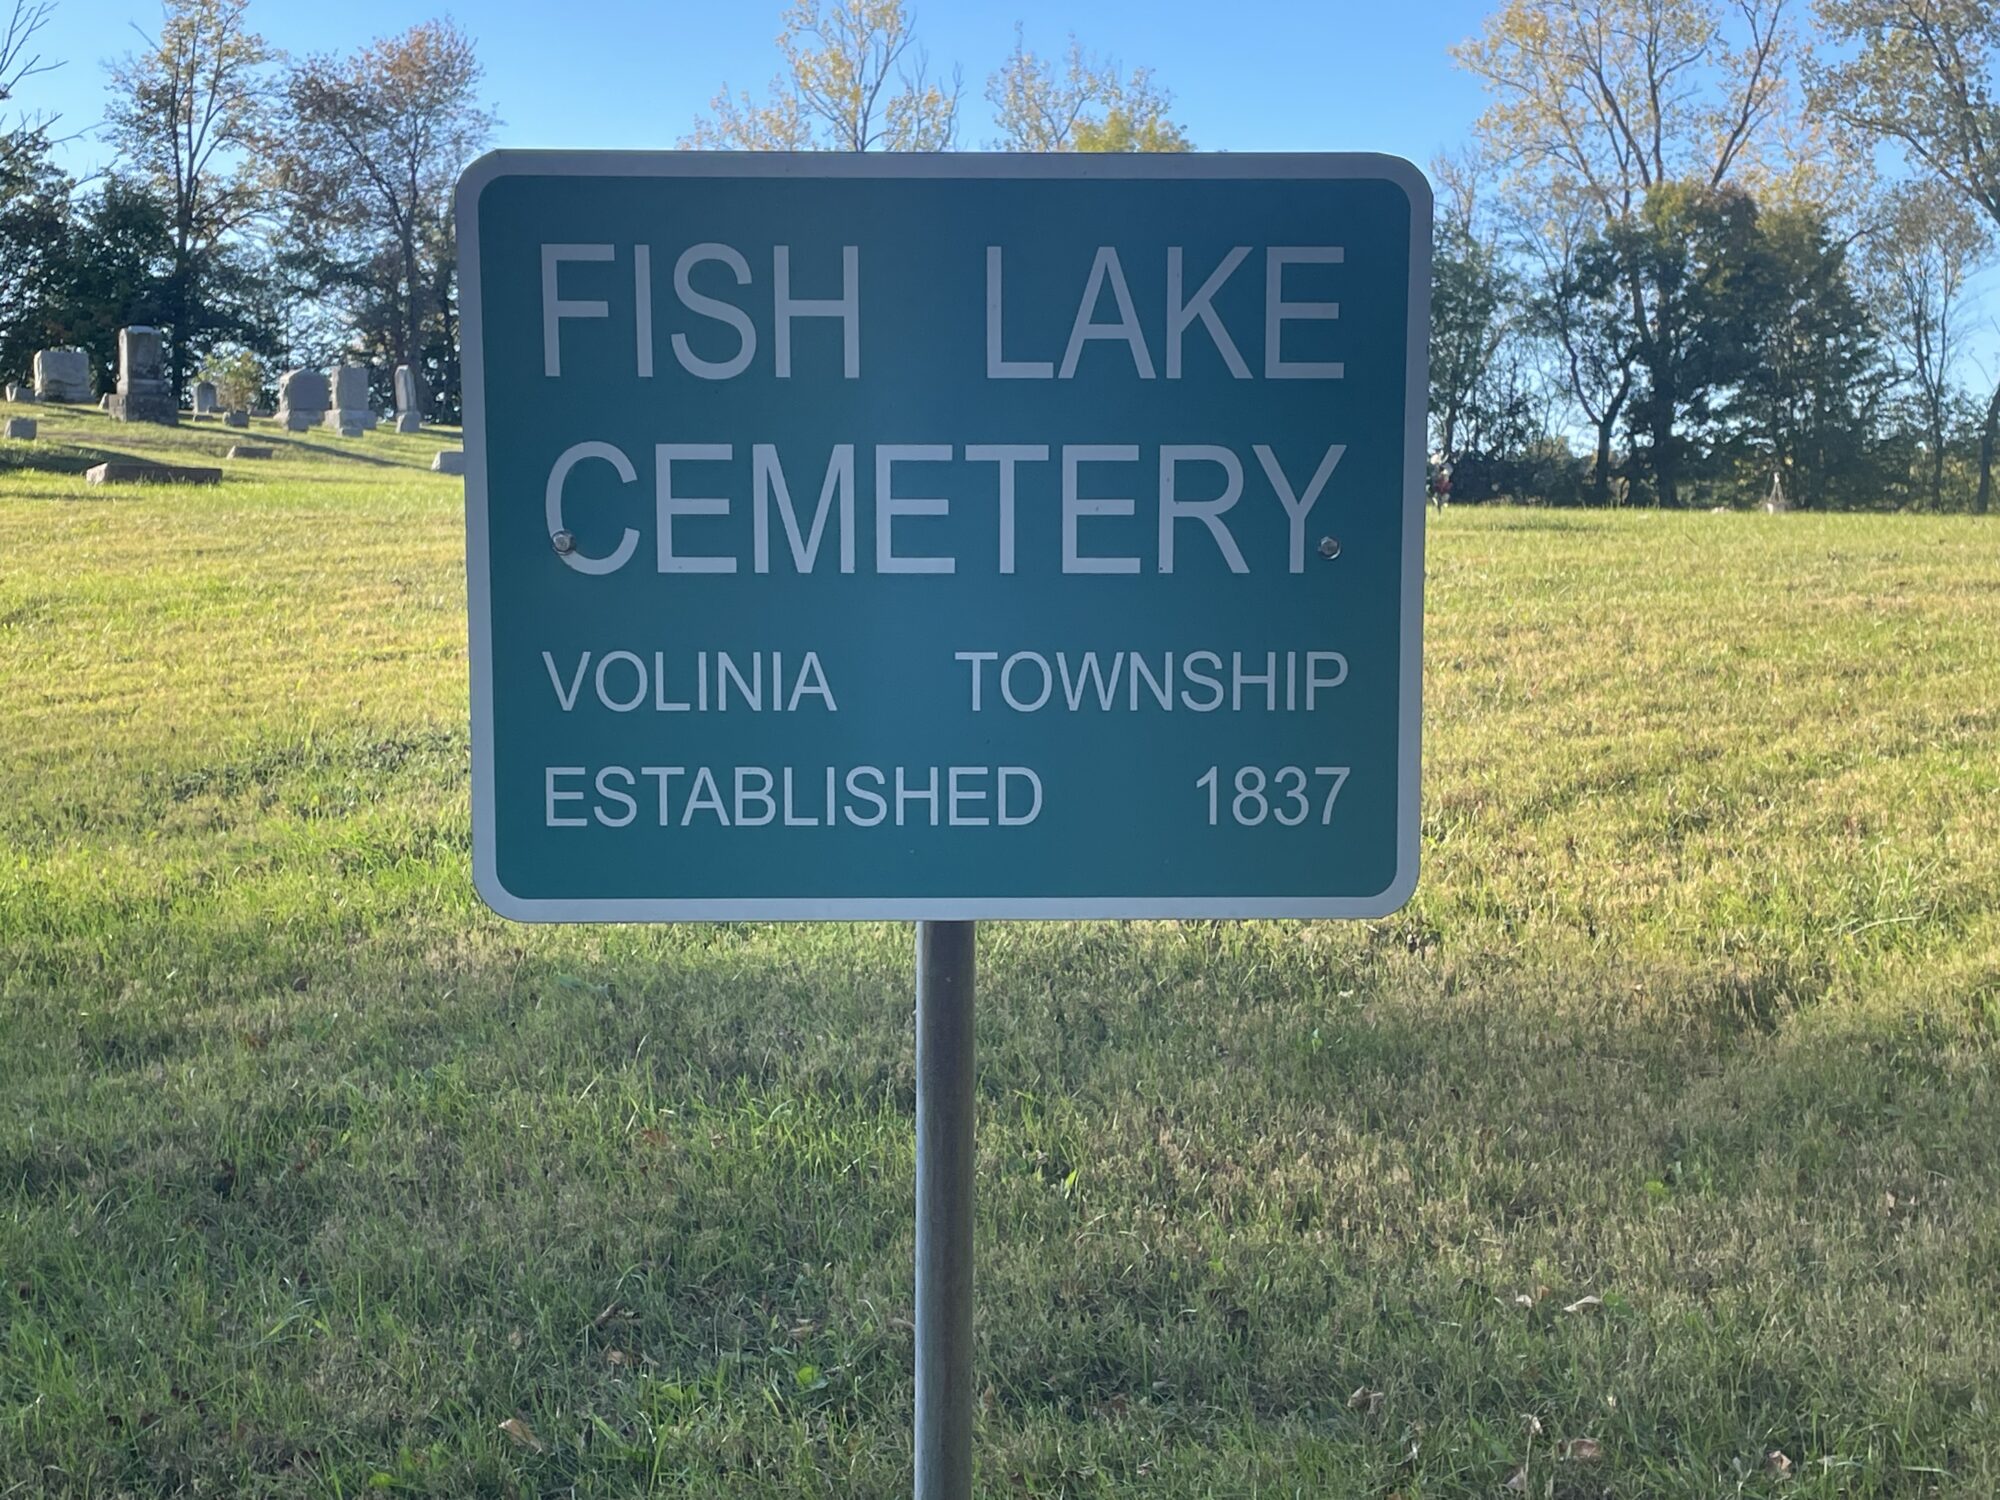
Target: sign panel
(944, 536)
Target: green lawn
(1658, 1135)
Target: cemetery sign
(944, 536)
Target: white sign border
(1066, 166)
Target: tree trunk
(1937, 465)
(1600, 479)
(1666, 462)
(1987, 436)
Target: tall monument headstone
(409, 401)
(350, 399)
(302, 400)
(143, 394)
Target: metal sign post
(944, 538)
(945, 1150)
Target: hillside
(1659, 1125)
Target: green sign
(944, 536)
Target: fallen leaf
(516, 1338)
(1368, 1402)
(802, 1331)
(612, 1313)
(1582, 1450)
(1777, 1465)
(1522, 1299)
(1534, 1424)
(522, 1433)
(620, 1358)
(1584, 1304)
(1517, 1481)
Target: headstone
(408, 397)
(350, 400)
(204, 398)
(143, 395)
(104, 403)
(449, 461)
(351, 429)
(1776, 503)
(236, 419)
(21, 428)
(302, 399)
(18, 392)
(62, 375)
(409, 421)
(143, 473)
(249, 450)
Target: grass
(1662, 1119)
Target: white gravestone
(449, 461)
(350, 400)
(408, 397)
(62, 375)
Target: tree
(19, 63)
(854, 80)
(1598, 107)
(1694, 248)
(1923, 252)
(34, 213)
(1609, 99)
(239, 378)
(371, 149)
(1470, 294)
(1585, 318)
(185, 116)
(1920, 72)
(116, 269)
(1080, 105)
(1809, 401)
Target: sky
(1252, 75)
(1257, 75)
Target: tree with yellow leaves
(1079, 104)
(854, 80)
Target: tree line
(1671, 268)
(262, 211)
(1696, 252)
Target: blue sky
(1256, 75)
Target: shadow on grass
(65, 459)
(57, 456)
(487, 1145)
(283, 439)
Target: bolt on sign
(944, 536)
